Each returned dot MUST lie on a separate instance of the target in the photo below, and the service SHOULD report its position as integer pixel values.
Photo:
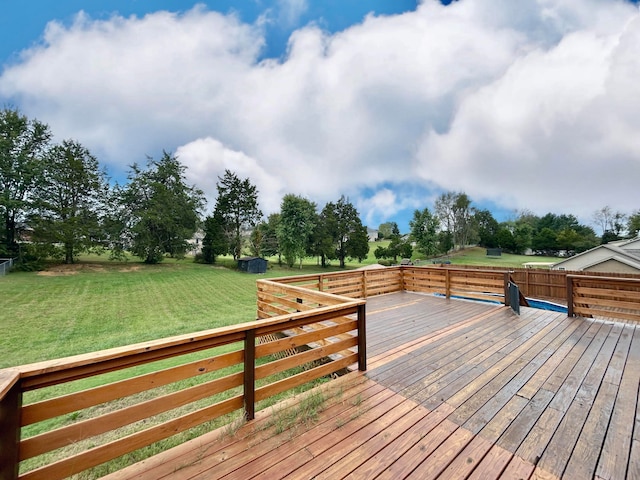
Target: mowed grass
(89, 307)
(477, 256)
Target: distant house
(195, 242)
(622, 256)
(252, 264)
(372, 233)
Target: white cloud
(291, 11)
(207, 159)
(531, 104)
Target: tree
(162, 210)
(324, 235)
(611, 223)
(350, 235)
(297, 221)
(22, 144)
(357, 246)
(545, 241)
(269, 245)
(488, 228)
(568, 240)
(69, 199)
(398, 247)
(505, 240)
(424, 231)
(633, 224)
(455, 214)
(237, 205)
(215, 240)
(385, 230)
(444, 242)
(522, 237)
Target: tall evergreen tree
(424, 231)
(237, 206)
(22, 145)
(346, 231)
(69, 199)
(215, 240)
(297, 220)
(163, 211)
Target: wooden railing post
(250, 374)
(364, 284)
(569, 296)
(507, 300)
(10, 406)
(447, 282)
(362, 338)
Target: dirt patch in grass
(72, 269)
(132, 268)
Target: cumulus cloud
(528, 104)
(207, 159)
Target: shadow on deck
(454, 389)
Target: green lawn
(477, 256)
(93, 306)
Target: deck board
(454, 389)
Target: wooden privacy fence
(176, 384)
(546, 284)
(603, 297)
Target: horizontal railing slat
(296, 341)
(304, 377)
(49, 373)
(76, 432)
(46, 409)
(98, 455)
(308, 356)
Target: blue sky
(522, 105)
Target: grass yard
(477, 256)
(88, 307)
(72, 309)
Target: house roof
(616, 251)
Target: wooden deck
(454, 389)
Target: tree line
(455, 223)
(299, 230)
(56, 202)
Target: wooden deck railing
(89, 426)
(448, 282)
(603, 297)
(193, 379)
(547, 284)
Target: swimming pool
(533, 302)
(544, 305)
